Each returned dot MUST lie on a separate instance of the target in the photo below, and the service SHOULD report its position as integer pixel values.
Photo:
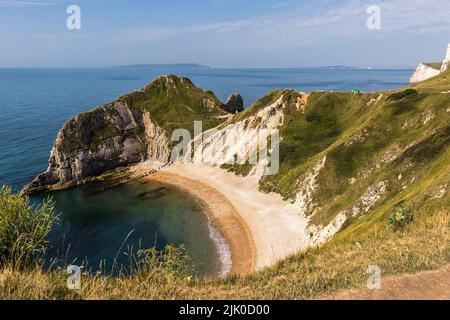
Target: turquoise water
(102, 228)
(34, 104)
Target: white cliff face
(240, 141)
(158, 144)
(446, 63)
(424, 72)
(307, 186)
(320, 234)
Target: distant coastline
(173, 65)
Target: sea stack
(234, 104)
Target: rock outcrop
(92, 143)
(426, 71)
(234, 104)
(423, 72)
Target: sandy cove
(260, 228)
(222, 214)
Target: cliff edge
(426, 71)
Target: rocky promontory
(133, 129)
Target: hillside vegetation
(175, 102)
(352, 153)
(367, 157)
(434, 65)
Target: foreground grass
(339, 264)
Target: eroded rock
(234, 104)
(104, 139)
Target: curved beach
(222, 215)
(260, 228)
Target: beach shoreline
(222, 215)
(260, 229)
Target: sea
(100, 228)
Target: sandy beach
(259, 228)
(223, 215)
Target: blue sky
(223, 33)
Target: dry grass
(339, 264)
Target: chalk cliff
(426, 71)
(423, 72)
(446, 63)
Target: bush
(172, 260)
(23, 229)
(400, 218)
(403, 94)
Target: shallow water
(102, 227)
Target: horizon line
(199, 66)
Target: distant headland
(169, 65)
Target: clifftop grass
(175, 102)
(434, 65)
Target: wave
(222, 246)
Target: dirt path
(427, 285)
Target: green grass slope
(175, 102)
(434, 65)
(377, 145)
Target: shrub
(403, 94)
(400, 218)
(172, 260)
(23, 228)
